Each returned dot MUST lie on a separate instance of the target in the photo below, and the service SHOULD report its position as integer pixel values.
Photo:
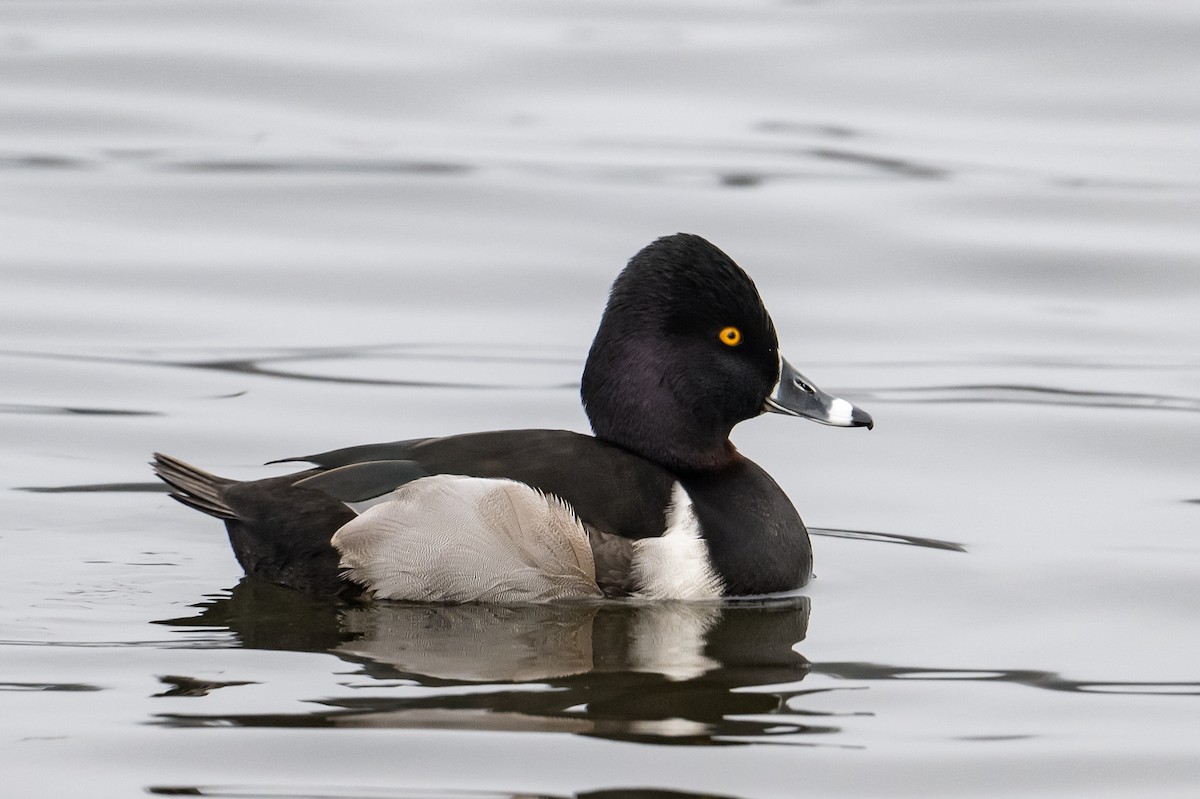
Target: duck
(656, 504)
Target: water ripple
(308, 791)
(46, 162)
(888, 538)
(885, 164)
(55, 410)
(48, 686)
(733, 163)
(98, 488)
(319, 165)
(1048, 680)
(1016, 394)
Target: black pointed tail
(193, 486)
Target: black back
(610, 488)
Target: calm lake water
(236, 231)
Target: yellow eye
(730, 336)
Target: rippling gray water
(242, 231)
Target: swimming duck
(657, 504)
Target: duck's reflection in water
(663, 672)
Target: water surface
(242, 231)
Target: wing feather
(449, 538)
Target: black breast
(757, 541)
